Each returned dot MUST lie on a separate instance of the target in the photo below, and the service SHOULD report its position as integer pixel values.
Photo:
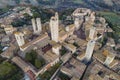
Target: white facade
(9, 30)
(76, 23)
(92, 33)
(81, 12)
(34, 25)
(89, 50)
(92, 16)
(54, 27)
(20, 39)
(56, 50)
(109, 59)
(37, 27)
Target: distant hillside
(113, 5)
(113, 21)
(108, 4)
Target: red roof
(31, 75)
(46, 48)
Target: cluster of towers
(37, 29)
(54, 28)
(85, 18)
(90, 44)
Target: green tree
(31, 56)
(28, 57)
(6, 69)
(1, 51)
(63, 51)
(46, 75)
(63, 76)
(36, 14)
(38, 63)
(27, 16)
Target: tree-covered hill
(92, 4)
